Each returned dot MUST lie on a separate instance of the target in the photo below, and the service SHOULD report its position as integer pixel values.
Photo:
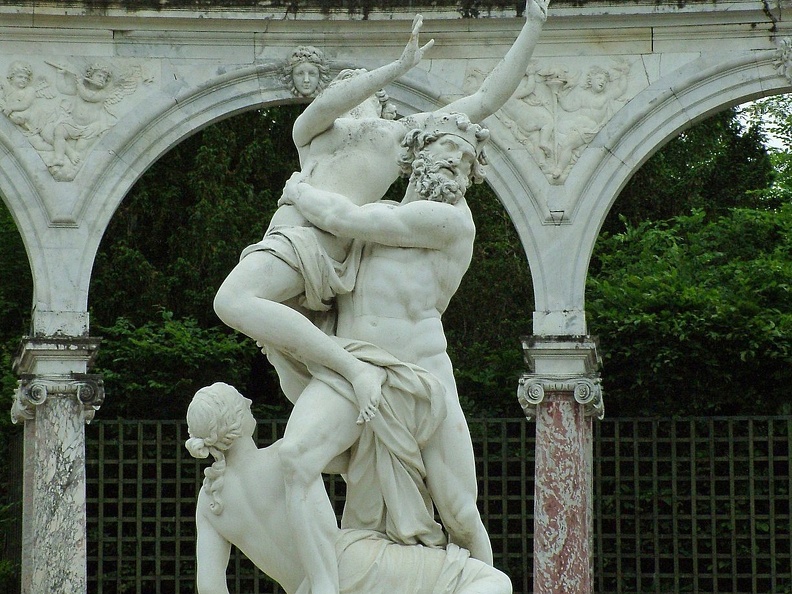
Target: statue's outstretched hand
(536, 9)
(413, 52)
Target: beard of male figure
(435, 186)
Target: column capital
(561, 354)
(585, 390)
(33, 391)
(565, 365)
(55, 355)
(56, 367)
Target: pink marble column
(562, 499)
(562, 395)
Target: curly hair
(214, 421)
(419, 138)
(22, 68)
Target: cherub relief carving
(24, 103)
(64, 122)
(86, 115)
(557, 112)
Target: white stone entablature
(611, 83)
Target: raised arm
(342, 96)
(501, 83)
(418, 224)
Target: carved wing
(43, 89)
(125, 84)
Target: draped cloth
(325, 277)
(368, 563)
(386, 478)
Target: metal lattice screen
(696, 505)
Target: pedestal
(563, 399)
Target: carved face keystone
(306, 78)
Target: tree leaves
(695, 316)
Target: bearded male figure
(345, 147)
(414, 256)
(350, 153)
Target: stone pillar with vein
(55, 399)
(562, 394)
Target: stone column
(563, 394)
(55, 399)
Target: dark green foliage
(695, 316)
(180, 230)
(16, 298)
(152, 370)
(169, 246)
(715, 166)
(492, 309)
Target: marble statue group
(345, 294)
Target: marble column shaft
(54, 527)
(563, 497)
(562, 394)
(55, 399)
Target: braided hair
(214, 421)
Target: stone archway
(198, 67)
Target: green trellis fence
(699, 505)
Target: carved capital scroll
(53, 367)
(33, 391)
(585, 390)
(561, 365)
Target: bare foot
(368, 391)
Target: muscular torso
(400, 295)
(355, 158)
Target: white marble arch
(558, 234)
(25, 204)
